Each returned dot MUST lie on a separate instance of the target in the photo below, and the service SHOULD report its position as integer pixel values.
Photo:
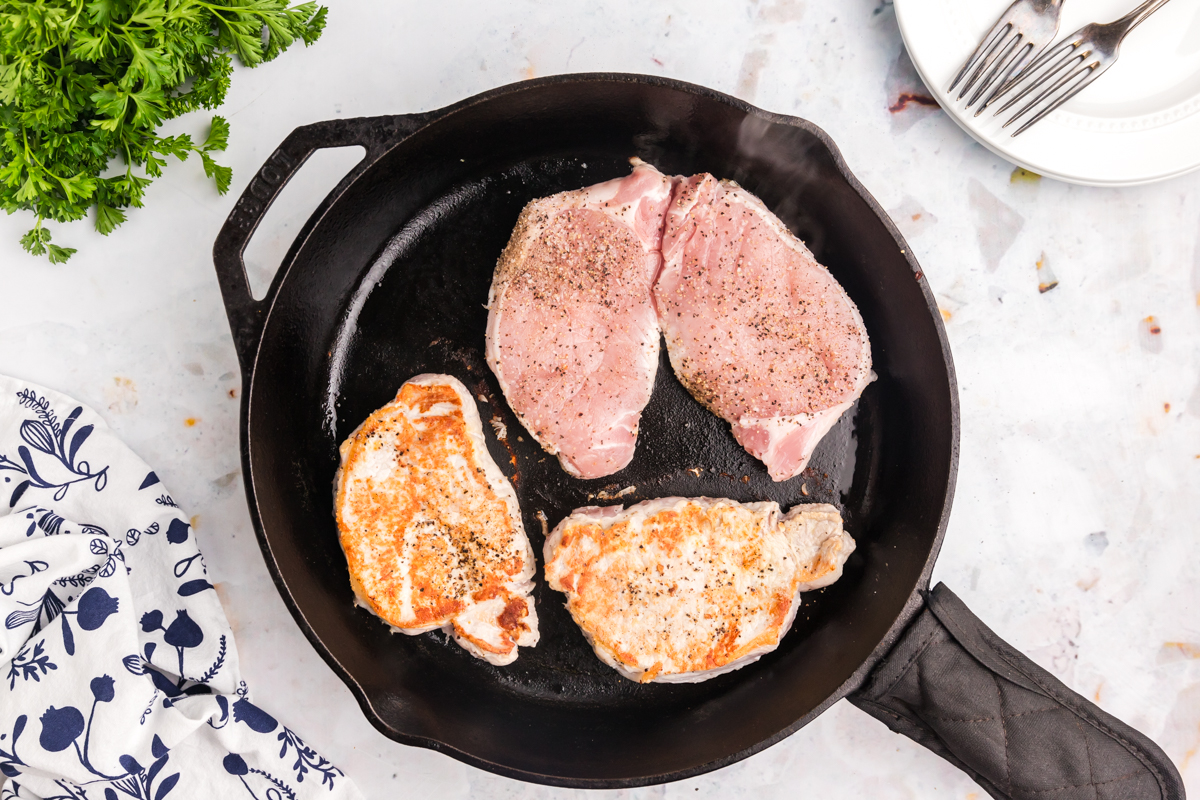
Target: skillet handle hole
(291, 209)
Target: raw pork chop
(680, 590)
(572, 335)
(756, 329)
(430, 526)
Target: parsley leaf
(218, 135)
(222, 175)
(85, 83)
(108, 218)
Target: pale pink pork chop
(572, 334)
(756, 329)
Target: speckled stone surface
(1074, 531)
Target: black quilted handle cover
(963, 692)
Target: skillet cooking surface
(391, 282)
(445, 258)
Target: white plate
(1138, 123)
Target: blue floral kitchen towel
(118, 672)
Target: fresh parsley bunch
(83, 82)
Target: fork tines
(1053, 79)
(1019, 36)
(1057, 72)
(999, 55)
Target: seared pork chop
(680, 590)
(756, 329)
(430, 526)
(572, 334)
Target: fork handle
(1139, 14)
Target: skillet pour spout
(388, 278)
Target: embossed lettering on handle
(263, 187)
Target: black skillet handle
(376, 134)
(955, 687)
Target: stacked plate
(1138, 123)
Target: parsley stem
(29, 153)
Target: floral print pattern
(114, 651)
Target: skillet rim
(265, 307)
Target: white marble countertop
(1074, 530)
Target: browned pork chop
(430, 525)
(680, 590)
(572, 334)
(756, 329)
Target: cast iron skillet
(388, 279)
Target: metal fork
(1019, 36)
(1070, 65)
